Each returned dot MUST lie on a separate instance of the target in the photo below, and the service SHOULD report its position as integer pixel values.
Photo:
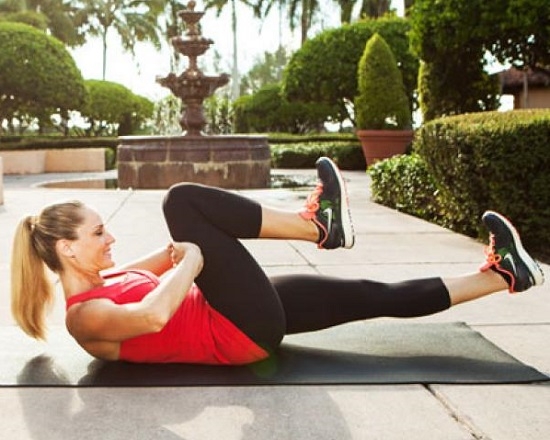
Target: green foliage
(347, 154)
(265, 71)
(451, 88)
(219, 114)
(520, 32)
(404, 183)
(454, 81)
(59, 17)
(324, 69)
(113, 107)
(268, 111)
(31, 18)
(492, 160)
(381, 103)
(39, 76)
(135, 117)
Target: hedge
(482, 161)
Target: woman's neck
(74, 283)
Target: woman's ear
(63, 248)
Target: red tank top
(195, 334)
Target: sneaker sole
(532, 266)
(345, 214)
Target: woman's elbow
(156, 321)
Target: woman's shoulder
(117, 283)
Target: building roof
(513, 78)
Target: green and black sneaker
(327, 206)
(507, 256)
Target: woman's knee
(180, 193)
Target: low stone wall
(64, 160)
(157, 162)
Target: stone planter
(383, 144)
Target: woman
(214, 304)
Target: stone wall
(64, 160)
(234, 162)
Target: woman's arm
(102, 320)
(158, 261)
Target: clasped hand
(179, 250)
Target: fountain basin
(157, 162)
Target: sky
(254, 37)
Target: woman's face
(91, 251)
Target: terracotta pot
(383, 144)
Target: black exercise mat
(360, 353)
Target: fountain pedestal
(157, 162)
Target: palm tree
(173, 27)
(219, 5)
(307, 10)
(133, 20)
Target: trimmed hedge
(348, 155)
(404, 183)
(479, 161)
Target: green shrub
(268, 110)
(324, 69)
(492, 160)
(38, 75)
(381, 103)
(404, 183)
(348, 155)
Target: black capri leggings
(264, 308)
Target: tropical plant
(219, 5)
(133, 20)
(307, 10)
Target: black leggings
(264, 308)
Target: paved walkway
(390, 246)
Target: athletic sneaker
(506, 255)
(327, 206)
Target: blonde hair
(34, 249)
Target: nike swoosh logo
(510, 260)
(328, 212)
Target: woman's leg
(315, 302)
(231, 280)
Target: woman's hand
(179, 250)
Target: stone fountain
(154, 162)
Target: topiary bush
(492, 160)
(381, 103)
(38, 75)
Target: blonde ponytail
(34, 249)
(31, 292)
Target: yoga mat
(358, 353)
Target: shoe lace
(492, 258)
(312, 204)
